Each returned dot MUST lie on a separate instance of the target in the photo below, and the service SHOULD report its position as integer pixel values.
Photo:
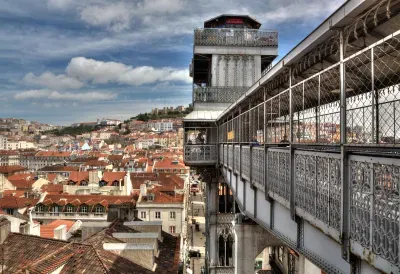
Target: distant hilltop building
(109, 122)
(165, 110)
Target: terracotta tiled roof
(163, 196)
(51, 177)
(59, 168)
(21, 176)
(78, 176)
(169, 164)
(8, 152)
(11, 169)
(47, 230)
(23, 184)
(110, 177)
(53, 154)
(63, 199)
(15, 193)
(52, 188)
(16, 202)
(96, 163)
(115, 157)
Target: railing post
(292, 158)
(345, 201)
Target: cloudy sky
(65, 61)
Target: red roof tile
(53, 154)
(47, 230)
(11, 169)
(16, 202)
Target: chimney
(127, 184)
(5, 229)
(93, 177)
(143, 190)
(60, 232)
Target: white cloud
(114, 72)
(56, 95)
(59, 4)
(159, 6)
(116, 17)
(49, 80)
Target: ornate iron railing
(230, 156)
(222, 269)
(225, 218)
(235, 37)
(318, 186)
(237, 158)
(278, 172)
(221, 154)
(375, 205)
(218, 94)
(257, 167)
(200, 154)
(246, 162)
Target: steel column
(345, 203)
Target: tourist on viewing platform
(284, 142)
(254, 142)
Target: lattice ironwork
(200, 153)
(225, 154)
(305, 181)
(230, 156)
(246, 162)
(278, 172)
(235, 37)
(375, 206)
(218, 94)
(318, 186)
(257, 167)
(375, 193)
(237, 158)
(221, 154)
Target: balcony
(222, 269)
(218, 94)
(69, 216)
(235, 37)
(200, 154)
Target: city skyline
(80, 59)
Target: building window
(116, 183)
(280, 254)
(40, 208)
(99, 210)
(172, 229)
(69, 209)
(172, 215)
(84, 183)
(83, 210)
(158, 215)
(143, 215)
(54, 210)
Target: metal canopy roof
(202, 115)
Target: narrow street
(197, 236)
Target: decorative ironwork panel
(318, 185)
(235, 37)
(257, 167)
(230, 156)
(221, 154)
(218, 94)
(200, 154)
(225, 154)
(335, 193)
(278, 172)
(385, 225)
(237, 158)
(225, 218)
(246, 162)
(360, 179)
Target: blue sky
(65, 61)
